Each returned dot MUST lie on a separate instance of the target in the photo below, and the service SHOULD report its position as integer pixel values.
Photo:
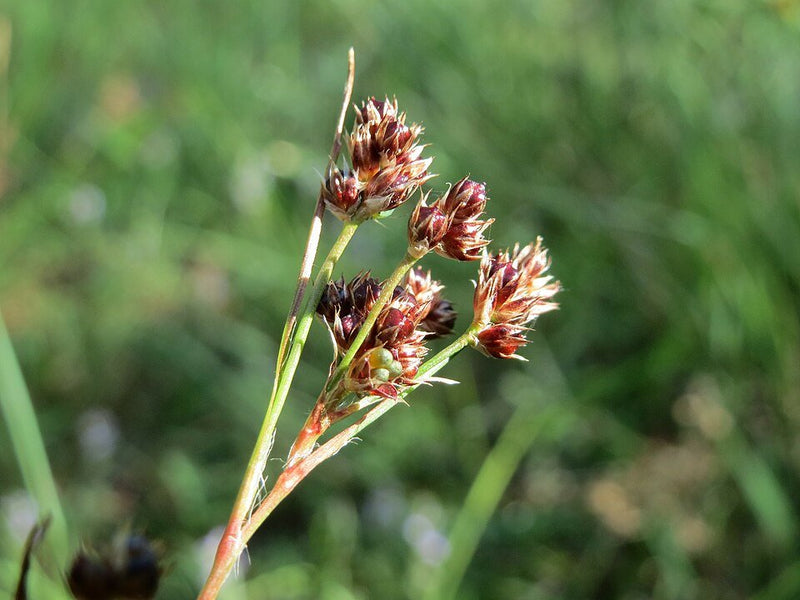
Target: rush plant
(380, 328)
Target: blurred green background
(159, 162)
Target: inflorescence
(385, 168)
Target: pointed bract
(427, 227)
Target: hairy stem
(316, 424)
(232, 543)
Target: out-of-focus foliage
(159, 162)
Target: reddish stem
(316, 424)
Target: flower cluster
(451, 225)
(393, 352)
(513, 289)
(386, 164)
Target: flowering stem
(307, 317)
(383, 298)
(316, 424)
(293, 475)
(232, 542)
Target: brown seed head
(393, 352)
(391, 355)
(344, 306)
(427, 227)
(91, 578)
(381, 131)
(513, 289)
(130, 570)
(373, 111)
(388, 142)
(501, 341)
(464, 241)
(391, 186)
(451, 225)
(422, 286)
(464, 201)
(341, 193)
(440, 319)
(381, 138)
(386, 164)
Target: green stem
(316, 224)
(441, 358)
(232, 542)
(484, 495)
(383, 298)
(29, 449)
(302, 282)
(305, 320)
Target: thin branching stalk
(232, 543)
(224, 562)
(295, 473)
(306, 319)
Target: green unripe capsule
(380, 374)
(380, 358)
(395, 368)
